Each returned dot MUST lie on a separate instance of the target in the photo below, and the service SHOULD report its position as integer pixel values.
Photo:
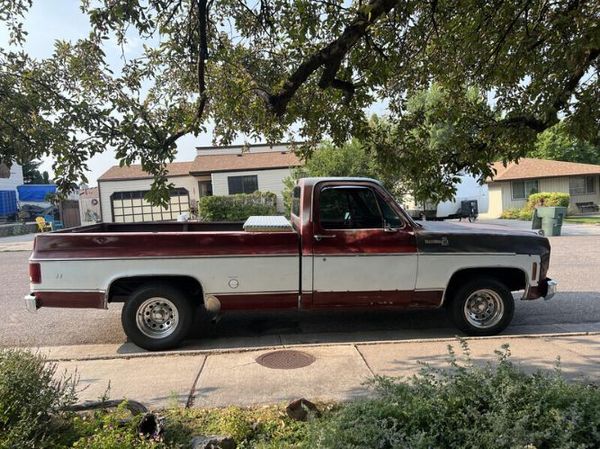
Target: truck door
(364, 252)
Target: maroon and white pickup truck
(347, 244)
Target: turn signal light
(35, 273)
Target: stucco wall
(268, 180)
(15, 179)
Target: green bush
(237, 207)
(32, 399)
(468, 406)
(548, 199)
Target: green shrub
(237, 207)
(469, 406)
(32, 398)
(548, 199)
(511, 214)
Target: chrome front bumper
(551, 291)
(31, 303)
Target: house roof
(117, 173)
(528, 168)
(209, 164)
(244, 161)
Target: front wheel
(157, 317)
(482, 307)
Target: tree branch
(330, 57)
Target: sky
(49, 20)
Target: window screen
(349, 208)
(581, 186)
(522, 189)
(242, 184)
(131, 207)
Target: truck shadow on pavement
(569, 312)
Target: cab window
(349, 208)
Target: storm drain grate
(285, 359)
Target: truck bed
(163, 240)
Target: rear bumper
(31, 303)
(545, 289)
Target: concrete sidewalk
(339, 371)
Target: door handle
(319, 237)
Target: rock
(302, 410)
(213, 442)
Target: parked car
(349, 245)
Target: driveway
(568, 229)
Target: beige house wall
(502, 201)
(268, 181)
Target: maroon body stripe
(76, 300)
(162, 244)
(402, 299)
(259, 301)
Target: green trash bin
(551, 219)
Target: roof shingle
(528, 168)
(210, 164)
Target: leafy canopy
(268, 67)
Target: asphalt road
(575, 264)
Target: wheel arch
(121, 287)
(515, 278)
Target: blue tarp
(8, 202)
(35, 192)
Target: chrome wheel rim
(157, 317)
(484, 308)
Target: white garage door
(130, 207)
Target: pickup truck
(348, 244)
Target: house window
(132, 207)
(349, 208)
(242, 184)
(205, 188)
(583, 185)
(522, 189)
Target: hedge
(237, 207)
(547, 199)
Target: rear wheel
(482, 307)
(157, 316)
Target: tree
(32, 175)
(349, 159)
(264, 67)
(555, 143)
(439, 137)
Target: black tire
(488, 296)
(167, 327)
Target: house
(513, 184)
(214, 171)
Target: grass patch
(583, 220)
(462, 406)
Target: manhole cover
(285, 359)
